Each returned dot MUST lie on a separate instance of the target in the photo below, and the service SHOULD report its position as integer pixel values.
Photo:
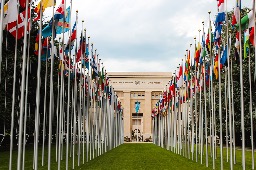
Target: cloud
(133, 35)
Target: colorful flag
(246, 43)
(235, 17)
(59, 13)
(224, 57)
(45, 4)
(63, 25)
(47, 31)
(71, 40)
(12, 27)
(221, 11)
(215, 69)
(10, 12)
(179, 77)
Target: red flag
(13, 27)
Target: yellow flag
(45, 4)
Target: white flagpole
(26, 99)
(22, 88)
(14, 82)
(68, 102)
(229, 107)
(1, 41)
(252, 130)
(205, 102)
(250, 108)
(242, 92)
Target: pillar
(147, 116)
(127, 114)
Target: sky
(143, 35)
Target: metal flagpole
(14, 82)
(242, 92)
(22, 89)
(250, 108)
(1, 41)
(252, 130)
(229, 106)
(205, 102)
(220, 112)
(26, 99)
(68, 102)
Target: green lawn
(129, 156)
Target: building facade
(144, 88)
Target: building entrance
(137, 127)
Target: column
(127, 114)
(147, 116)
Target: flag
(217, 35)
(47, 31)
(45, 54)
(63, 25)
(216, 71)
(23, 3)
(81, 49)
(12, 27)
(179, 77)
(45, 4)
(224, 57)
(221, 11)
(71, 40)
(235, 17)
(246, 43)
(10, 12)
(36, 44)
(59, 13)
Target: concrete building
(142, 87)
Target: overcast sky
(143, 35)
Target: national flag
(216, 71)
(63, 25)
(10, 12)
(81, 50)
(221, 11)
(224, 57)
(36, 44)
(45, 54)
(47, 31)
(217, 34)
(23, 3)
(45, 4)
(246, 43)
(197, 53)
(13, 27)
(71, 40)
(179, 77)
(235, 17)
(59, 13)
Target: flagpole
(68, 102)
(252, 130)
(22, 89)
(242, 93)
(14, 83)
(1, 41)
(26, 97)
(220, 111)
(205, 112)
(250, 108)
